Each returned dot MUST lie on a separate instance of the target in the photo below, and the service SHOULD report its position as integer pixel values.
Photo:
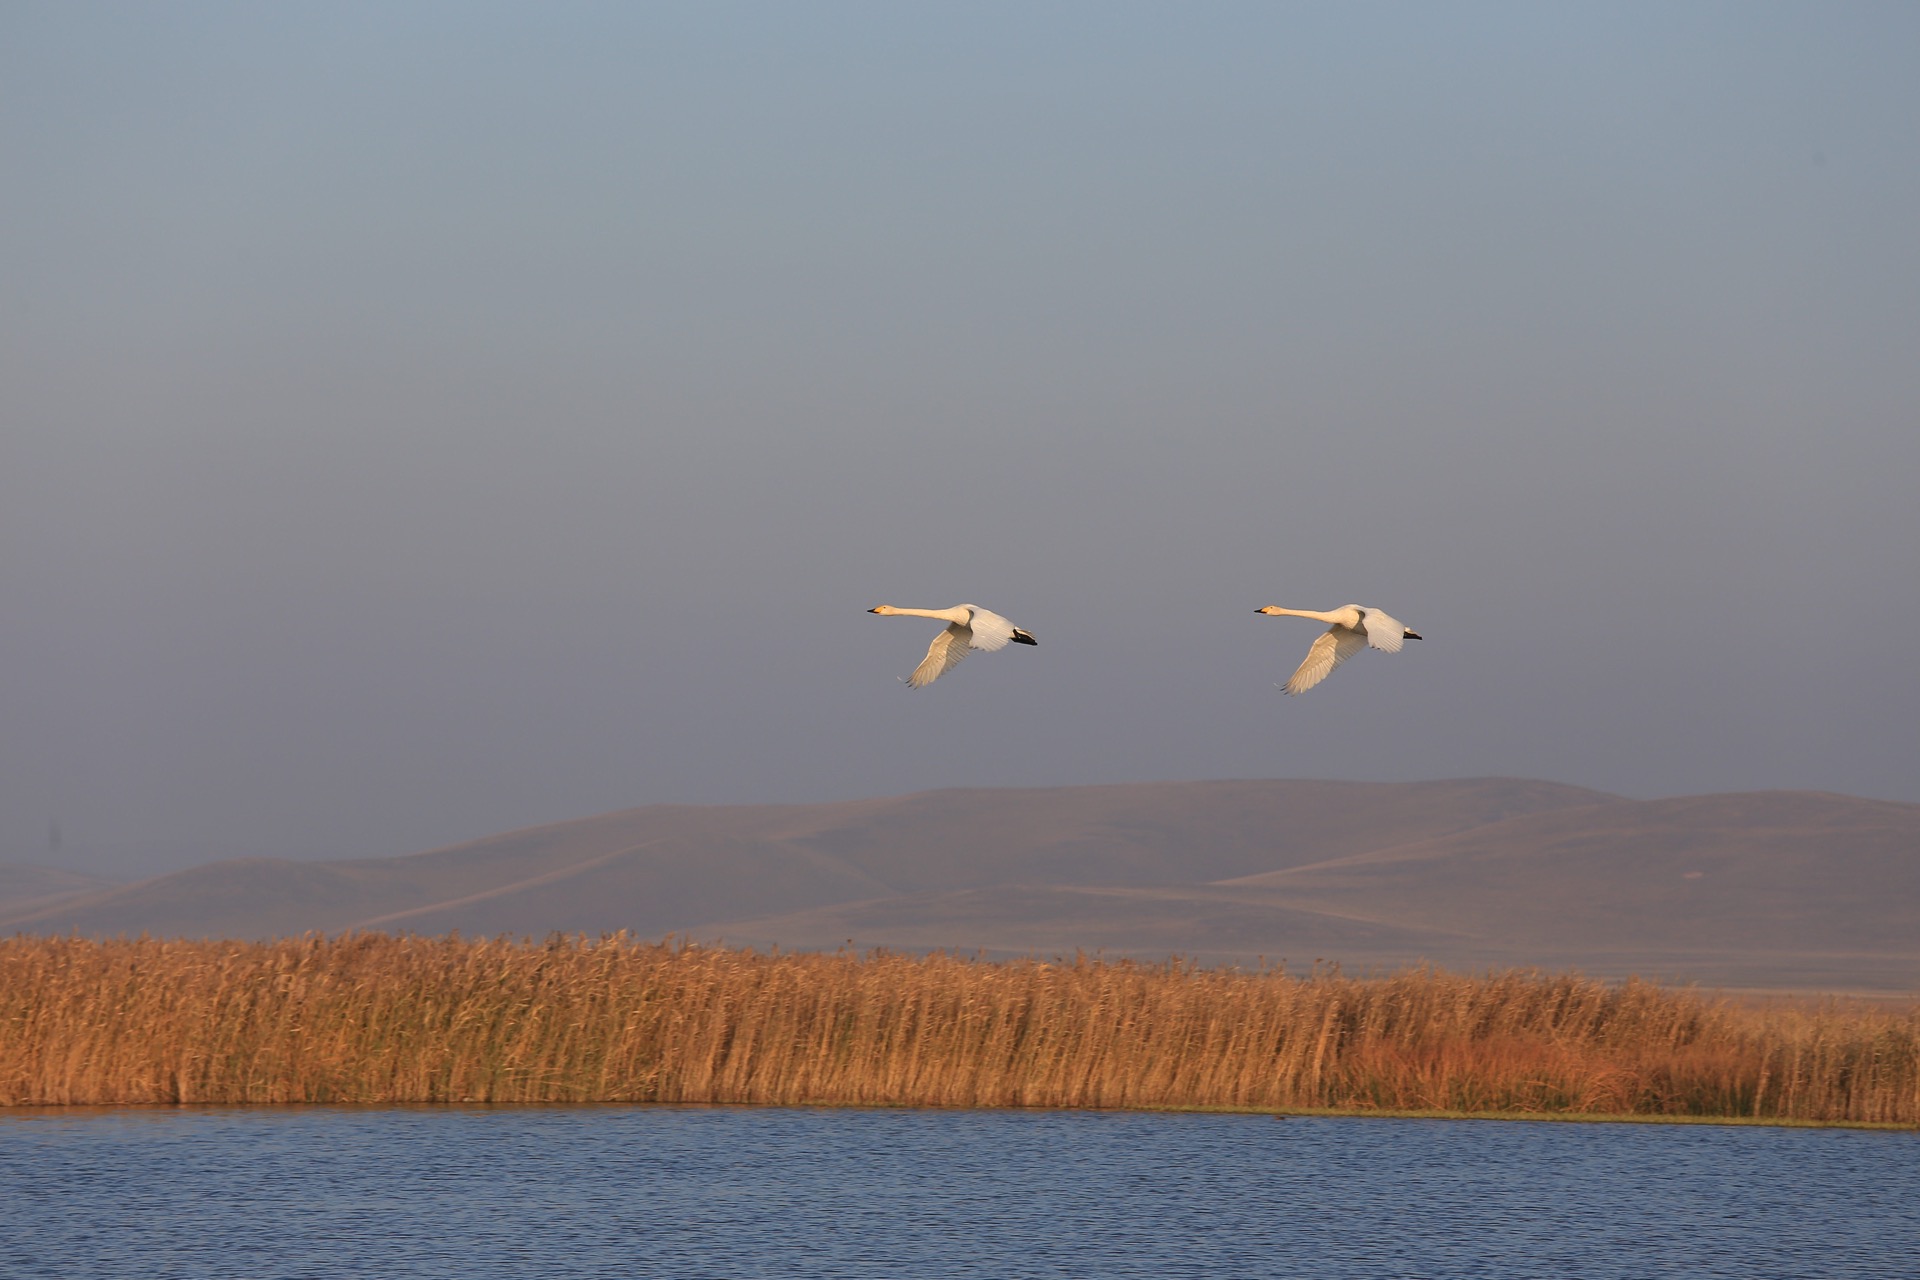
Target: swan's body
(1354, 628)
(969, 627)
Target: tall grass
(378, 1019)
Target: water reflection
(721, 1192)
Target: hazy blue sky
(423, 420)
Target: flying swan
(1354, 628)
(969, 627)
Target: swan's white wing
(943, 655)
(1328, 652)
(990, 630)
(1387, 634)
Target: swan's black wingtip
(1021, 637)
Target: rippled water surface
(723, 1192)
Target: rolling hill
(1791, 891)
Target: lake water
(203, 1194)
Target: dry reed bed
(378, 1019)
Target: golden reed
(379, 1019)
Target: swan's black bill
(1410, 635)
(1021, 637)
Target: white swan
(969, 627)
(1354, 628)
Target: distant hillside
(27, 889)
(1769, 890)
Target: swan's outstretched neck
(1316, 614)
(943, 615)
